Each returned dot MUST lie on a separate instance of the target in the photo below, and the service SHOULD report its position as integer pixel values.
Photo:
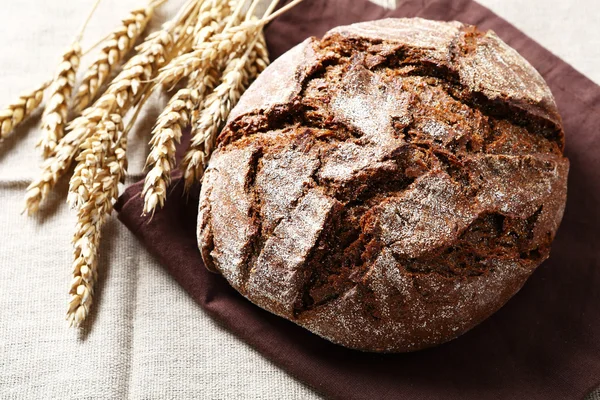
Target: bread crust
(389, 186)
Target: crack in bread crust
(389, 180)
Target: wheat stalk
(17, 112)
(54, 118)
(104, 158)
(114, 49)
(236, 77)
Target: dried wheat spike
(141, 69)
(90, 161)
(236, 78)
(121, 95)
(166, 135)
(113, 50)
(15, 113)
(127, 87)
(220, 47)
(110, 169)
(54, 118)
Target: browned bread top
(389, 186)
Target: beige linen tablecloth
(148, 339)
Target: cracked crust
(389, 186)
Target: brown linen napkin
(544, 344)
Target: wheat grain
(17, 112)
(236, 77)
(106, 150)
(54, 118)
(113, 50)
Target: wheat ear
(56, 112)
(166, 135)
(17, 112)
(90, 161)
(236, 77)
(104, 157)
(54, 118)
(113, 50)
(102, 166)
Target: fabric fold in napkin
(544, 344)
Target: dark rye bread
(389, 186)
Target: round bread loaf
(389, 186)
